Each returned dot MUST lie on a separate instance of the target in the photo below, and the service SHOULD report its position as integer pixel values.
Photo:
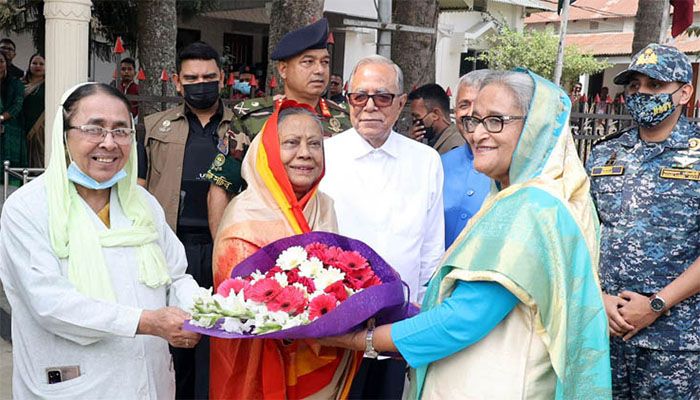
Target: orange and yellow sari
(266, 211)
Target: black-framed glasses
(97, 134)
(492, 123)
(379, 99)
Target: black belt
(194, 234)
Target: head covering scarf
(265, 211)
(73, 234)
(539, 239)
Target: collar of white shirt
(359, 147)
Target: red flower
(373, 281)
(263, 290)
(292, 275)
(235, 284)
(316, 249)
(337, 289)
(290, 300)
(321, 305)
(351, 260)
(358, 278)
(272, 271)
(308, 283)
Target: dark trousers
(192, 365)
(379, 379)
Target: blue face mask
(649, 110)
(243, 87)
(79, 177)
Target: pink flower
(308, 283)
(321, 305)
(351, 260)
(337, 289)
(272, 271)
(263, 290)
(357, 278)
(373, 281)
(290, 300)
(235, 284)
(331, 255)
(316, 249)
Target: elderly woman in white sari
(515, 310)
(95, 277)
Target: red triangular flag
(273, 82)
(608, 100)
(231, 79)
(345, 87)
(141, 75)
(118, 47)
(414, 88)
(622, 99)
(682, 16)
(114, 74)
(164, 76)
(597, 99)
(584, 99)
(448, 92)
(253, 81)
(331, 39)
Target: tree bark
(286, 16)
(415, 52)
(650, 24)
(157, 27)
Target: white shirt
(391, 199)
(54, 325)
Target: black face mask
(201, 95)
(429, 130)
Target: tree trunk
(650, 24)
(157, 27)
(415, 52)
(286, 16)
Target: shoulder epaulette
(610, 136)
(252, 106)
(342, 107)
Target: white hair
(377, 59)
(519, 83)
(474, 79)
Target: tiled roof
(620, 43)
(594, 9)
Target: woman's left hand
(637, 312)
(347, 341)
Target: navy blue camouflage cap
(660, 62)
(313, 36)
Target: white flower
(310, 268)
(291, 258)
(257, 275)
(302, 288)
(234, 305)
(281, 278)
(233, 325)
(301, 319)
(328, 277)
(278, 317)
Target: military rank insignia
(608, 170)
(694, 144)
(219, 160)
(682, 174)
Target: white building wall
(359, 43)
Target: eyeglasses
(379, 99)
(492, 123)
(97, 134)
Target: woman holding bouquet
(282, 169)
(515, 310)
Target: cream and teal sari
(539, 238)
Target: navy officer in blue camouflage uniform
(646, 186)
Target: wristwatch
(370, 352)
(657, 304)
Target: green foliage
(537, 50)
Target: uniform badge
(334, 125)
(649, 57)
(165, 126)
(608, 170)
(254, 104)
(694, 144)
(240, 108)
(682, 174)
(222, 146)
(219, 160)
(683, 161)
(166, 123)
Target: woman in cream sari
(282, 168)
(515, 309)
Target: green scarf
(73, 234)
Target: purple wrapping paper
(387, 302)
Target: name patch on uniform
(608, 170)
(683, 174)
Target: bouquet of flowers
(311, 285)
